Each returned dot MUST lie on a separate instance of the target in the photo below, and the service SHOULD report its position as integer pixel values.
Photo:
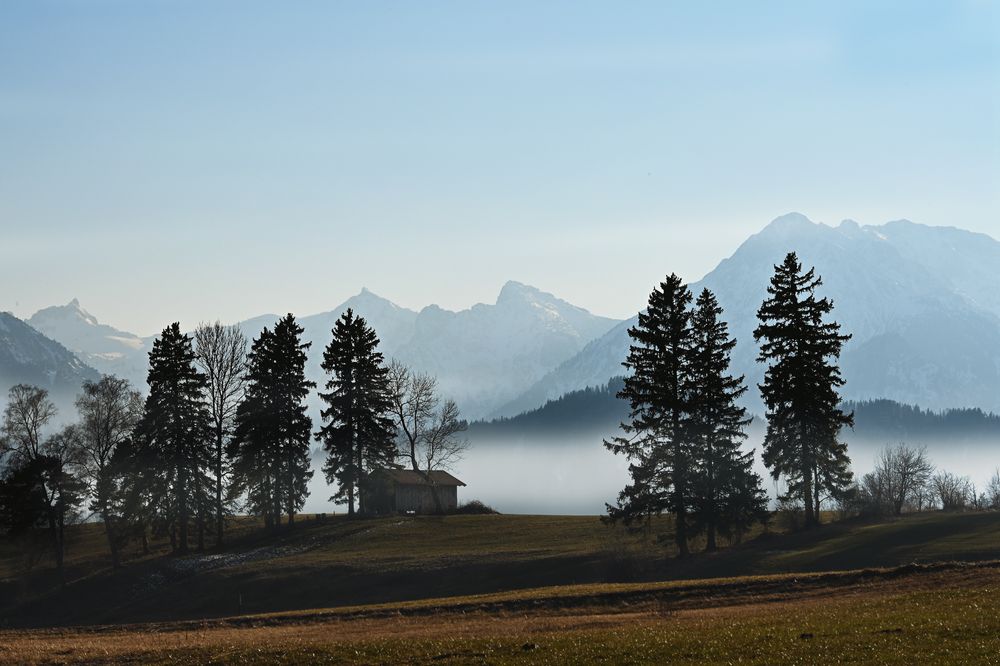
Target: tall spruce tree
(250, 450)
(657, 441)
(728, 495)
(174, 433)
(359, 433)
(269, 452)
(800, 387)
(293, 425)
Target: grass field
(398, 590)
(935, 614)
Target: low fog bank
(578, 476)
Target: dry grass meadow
(519, 589)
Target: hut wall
(421, 498)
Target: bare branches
(109, 410)
(29, 410)
(221, 353)
(429, 429)
(953, 492)
(443, 443)
(900, 478)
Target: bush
(474, 508)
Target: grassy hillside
(938, 614)
(338, 562)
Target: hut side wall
(421, 498)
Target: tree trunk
(438, 507)
(713, 511)
(61, 549)
(200, 517)
(183, 516)
(112, 540)
(57, 546)
(291, 493)
(219, 517)
(817, 504)
(56, 532)
(807, 498)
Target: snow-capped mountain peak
(103, 347)
(922, 302)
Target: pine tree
(269, 452)
(174, 433)
(250, 449)
(293, 426)
(359, 434)
(658, 442)
(727, 492)
(800, 387)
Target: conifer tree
(658, 436)
(800, 387)
(292, 425)
(250, 450)
(359, 433)
(727, 492)
(174, 435)
(269, 452)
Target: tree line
(685, 428)
(904, 479)
(223, 428)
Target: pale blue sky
(194, 160)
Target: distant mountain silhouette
(483, 356)
(28, 357)
(923, 304)
(103, 347)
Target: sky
(194, 161)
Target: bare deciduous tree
(993, 490)
(109, 410)
(222, 355)
(29, 410)
(39, 469)
(430, 428)
(951, 490)
(905, 472)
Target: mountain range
(922, 304)
(483, 356)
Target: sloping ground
(342, 563)
(945, 613)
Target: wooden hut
(408, 491)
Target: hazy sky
(194, 160)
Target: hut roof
(408, 477)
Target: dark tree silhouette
(800, 388)
(359, 433)
(270, 449)
(37, 486)
(109, 411)
(174, 433)
(222, 354)
(728, 496)
(657, 441)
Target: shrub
(474, 507)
